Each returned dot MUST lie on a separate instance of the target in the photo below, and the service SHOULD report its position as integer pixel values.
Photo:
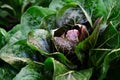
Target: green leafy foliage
(108, 58)
(39, 38)
(3, 35)
(6, 71)
(16, 54)
(109, 38)
(28, 51)
(32, 72)
(61, 72)
(88, 43)
(71, 14)
(33, 16)
(57, 5)
(11, 11)
(49, 23)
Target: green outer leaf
(33, 71)
(29, 3)
(63, 9)
(109, 9)
(6, 71)
(23, 31)
(39, 38)
(3, 32)
(16, 55)
(73, 4)
(101, 11)
(88, 43)
(115, 53)
(61, 18)
(49, 22)
(75, 75)
(58, 4)
(3, 36)
(61, 72)
(87, 16)
(33, 16)
(52, 67)
(97, 56)
(109, 38)
(115, 13)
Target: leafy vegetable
(15, 54)
(57, 5)
(61, 72)
(3, 36)
(59, 39)
(109, 57)
(40, 39)
(33, 16)
(6, 71)
(109, 38)
(88, 43)
(31, 72)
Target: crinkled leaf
(18, 28)
(39, 38)
(49, 22)
(58, 4)
(61, 72)
(32, 71)
(33, 16)
(6, 71)
(14, 54)
(71, 14)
